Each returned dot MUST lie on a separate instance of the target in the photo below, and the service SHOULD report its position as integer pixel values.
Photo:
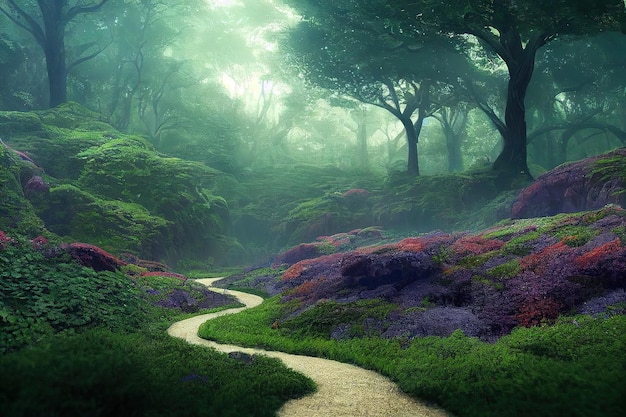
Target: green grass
(109, 374)
(574, 368)
(78, 342)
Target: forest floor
(343, 390)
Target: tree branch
(76, 10)
(31, 27)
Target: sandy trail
(343, 390)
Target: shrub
(107, 374)
(45, 295)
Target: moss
(613, 166)
(16, 212)
(575, 235)
(508, 269)
(521, 245)
(111, 224)
(13, 123)
(324, 317)
(620, 231)
(486, 281)
(475, 261)
(72, 115)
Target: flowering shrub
(599, 254)
(540, 260)
(295, 270)
(300, 252)
(476, 245)
(539, 310)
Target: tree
(48, 25)
(354, 51)
(577, 99)
(453, 120)
(514, 30)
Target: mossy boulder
(583, 185)
(518, 273)
(115, 191)
(171, 188)
(16, 212)
(113, 225)
(54, 137)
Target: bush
(107, 374)
(43, 295)
(573, 368)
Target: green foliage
(484, 280)
(521, 245)
(321, 319)
(505, 270)
(573, 368)
(113, 225)
(575, 235)
(103, 373)
(16, 212)
(42, 296)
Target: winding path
(343, 390)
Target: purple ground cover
(520, 273)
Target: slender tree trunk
(362, 146)
(54, 51)
(411, 141)
(453, 145)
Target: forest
(397, 179)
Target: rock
(584, 185)
(94, 257)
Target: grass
(100, 372)
(76, 342)
(573, 368)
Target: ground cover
(525, 317)
(572, 368)
(80, 341)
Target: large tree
(47, 22)
(354, 51)
(514, 30)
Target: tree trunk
(54, 50)
(512, 161)
(453, 145)
(411, 142)
(362, 146)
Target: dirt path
(343, 390)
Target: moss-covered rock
(518, 273)
(583, 185)
(114, 190)
(114, 225)
(16, 212)
(171, 188)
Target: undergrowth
(78, 342)
(573, 368)
(109, 374)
